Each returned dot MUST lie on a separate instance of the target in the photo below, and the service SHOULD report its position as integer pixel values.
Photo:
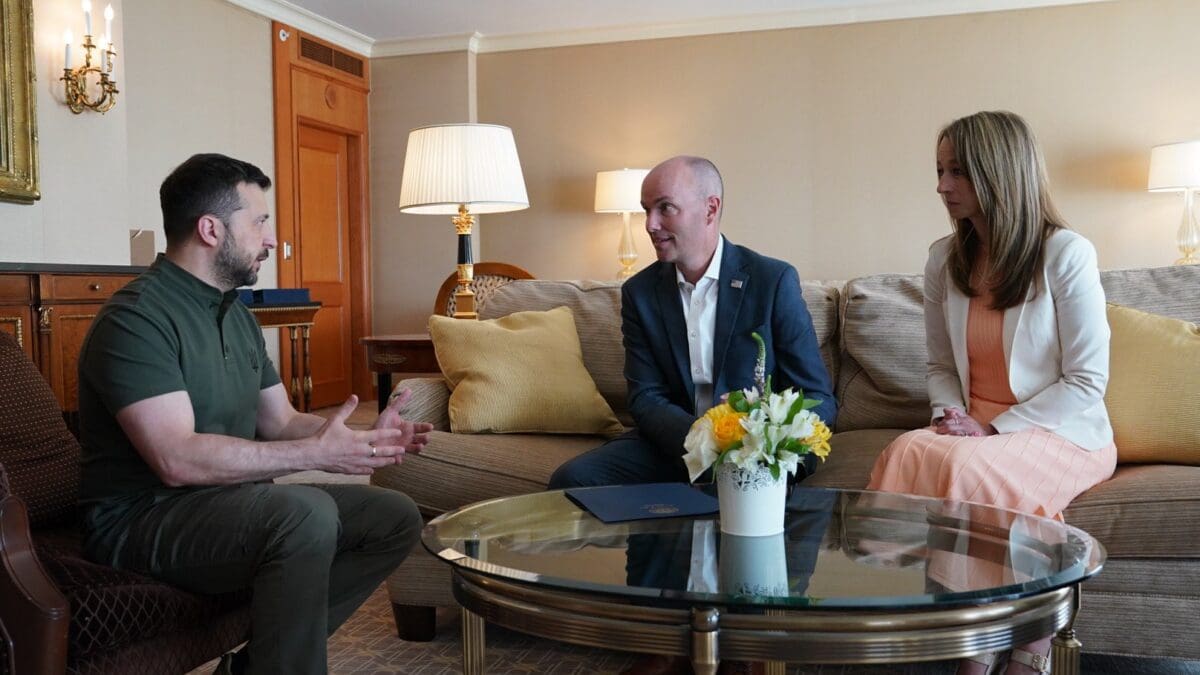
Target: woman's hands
(955, 422)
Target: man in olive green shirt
(184, 423)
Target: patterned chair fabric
(487, 278)
(119, 622)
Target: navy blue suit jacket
(755, 294)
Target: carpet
(367, 645)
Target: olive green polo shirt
(166, 331)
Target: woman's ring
(373, 451)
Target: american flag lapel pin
(736, 283)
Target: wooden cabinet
(50, 308)
(16, 315)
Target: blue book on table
(617, 503)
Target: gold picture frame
(18, 104)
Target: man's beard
(230, 270)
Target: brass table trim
(847, 636)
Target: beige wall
(412, 254)
(194, 76)
(825, 135)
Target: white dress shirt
(700, 314)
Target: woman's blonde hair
(1004, 164)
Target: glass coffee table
(857, 577)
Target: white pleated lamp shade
(1174, 167)
(475, 165)
(619, 191)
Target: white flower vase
(751, 502)
(753, 566)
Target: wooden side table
(407, 353)
(292, 317)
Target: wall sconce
(621, 192)
(1176, 168)
(76, 79)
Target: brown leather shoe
(657, 664)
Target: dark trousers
(311, 554)
(624, 460)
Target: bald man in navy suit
(687, 321)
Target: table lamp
(462, 170)
(1176, 168)
(621, 192)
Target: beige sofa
(1147, 600)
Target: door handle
(287, 250)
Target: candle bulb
(67, 55)
(104, 56)
(87, 17)
(108, 17)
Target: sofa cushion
(519, 373)
(882, 378)
(1169, 291)
(851, 457)
(1143, 511)
(454, 470)
(1153, 387)
(597, 310)
(37, 451)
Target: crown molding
(446, 43)
(866, 11)
(862, 13)
(313, 24)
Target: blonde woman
(1018, 346)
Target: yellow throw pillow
(521, 373)
(1153, 387)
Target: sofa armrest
(430, 401)
(34, 613)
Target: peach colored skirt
(1032, 471)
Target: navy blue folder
(618, 503)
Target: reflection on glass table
(883, 576)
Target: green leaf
(737, 401)
(810, 403)
(775, 471)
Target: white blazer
(1055, 344)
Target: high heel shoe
(1038, 663)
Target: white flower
(778, 405)
(751, 395)
(802, 424)
(701, 447)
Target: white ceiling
(386, 27)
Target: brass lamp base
(464, 297)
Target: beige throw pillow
(521, 373)
(1153, 387)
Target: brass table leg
(1065, 648)
(473, 644)
(705, 658)
(296, 401)
(307, 370)
(775, 667)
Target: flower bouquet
(755, 438)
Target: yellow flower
(818, 443)
(727, 425)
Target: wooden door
(322, 204)
(323, 257)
